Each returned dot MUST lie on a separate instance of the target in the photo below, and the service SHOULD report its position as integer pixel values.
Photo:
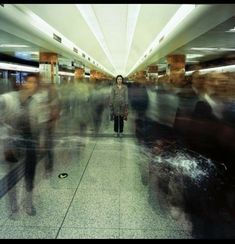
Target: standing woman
(119, 105)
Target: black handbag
(10, 156)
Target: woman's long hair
(121, 77)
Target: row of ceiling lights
(44, 27)
(183, 11)
(180, 14)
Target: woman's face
(119, 80)
(30, 86)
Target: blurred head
(119, 79)
(31, 84)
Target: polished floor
(106, 194)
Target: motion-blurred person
(82, 116)
(15, 117)
(119, 105)
(99, 97)
(140, 103)
(97, 107)
(46, 107)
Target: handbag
(10, 156)
(12, 150)
(125, 114)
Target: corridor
(106, 193)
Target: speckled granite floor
(103, 197)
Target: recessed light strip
(132, 17)
(11, 66)
(44, 27)
(221, 69)
(180, 14)
(212, 49)
(90, 18)
(13, 45)
(66, 73)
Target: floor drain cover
(62, 175)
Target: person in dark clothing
(119, 105)
(139, 102)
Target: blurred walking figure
(20, 142)
(119, 105)
(46, 110)
(82, 116)
(97, 100)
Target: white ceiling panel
(67, 19)
(119, 36)
(112, 20)
(116, 37)
(152, 19)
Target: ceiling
(205, 45)
(25, 50)
(115, 36)
(217, 43)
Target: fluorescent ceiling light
(181, 13)
(204, 48)
(132, 17)
(191, 55)
(226, 49)
(44, 27)
(90, 18)
(34, 53)
(66, 73)
(192, 61)
(231, 30)
(219, 69)
(189, 72)
(13, 45)
(212, 49)
(227, 68)
(11, 66)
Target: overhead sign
(57, 38)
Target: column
(141, 76)
(93, 76)
(176, 69)
(79, 73)
(152, 74)
(48, 67)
